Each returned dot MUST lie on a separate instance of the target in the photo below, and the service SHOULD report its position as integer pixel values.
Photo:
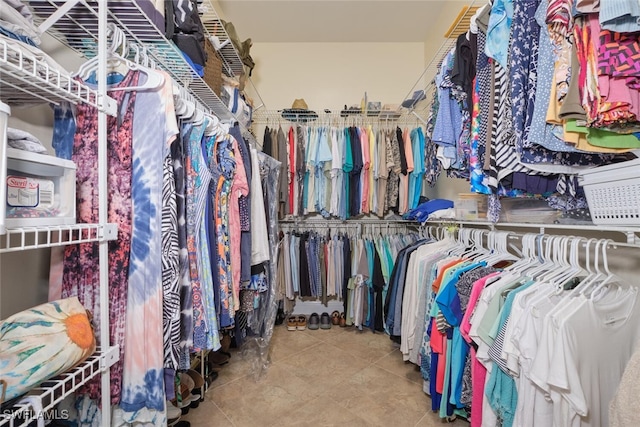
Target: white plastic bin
(5, 112)
(40, 190)
(613, 193)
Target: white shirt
(259, 234)
(592, 348)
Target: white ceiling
(341, 20)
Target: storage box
(613, 193)
(471, 206)
(40, 190)
(525, 210)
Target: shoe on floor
(335, 318)
(292, 323)
(325, 321)
(302, 323)
(173, 412)
(314, 321)
(218, 357)
(198, 381)
(343, 320)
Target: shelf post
(105, 342)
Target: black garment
(266, 142)
(305, 283)
(189, 31)
(170, 25)
(347, 270)
(177, 155)
(464, 68)
(403, 155)
(377, 283)
(354, 175)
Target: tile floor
(339, 377)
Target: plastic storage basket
(613, 193)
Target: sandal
(292, 323)
(302, 323)
(343, 320)
(335, 318)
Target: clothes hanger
(610, 278)
(117, 62)
(212, 127)
(571, 267)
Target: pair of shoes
(187, 385)
(296, 323)
(335, 318)
(343, 320)
(314, 321)
(198, 382)
(325, 321)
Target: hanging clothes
(81, 261)
(143, 375)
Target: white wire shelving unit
(74, 23)
(231, 61)
(20, 239)
(51, 392)
(27, 79)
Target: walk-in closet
(290, 213)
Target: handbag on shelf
(41, 342)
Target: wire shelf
(26, 79)
(78, 29)
(19, 239)
(213, 26)
(52, 392)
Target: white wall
(330, 75)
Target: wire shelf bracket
(53, 391)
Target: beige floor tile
(383, 398)
(336, 377)
(321, 411)
(364, 345)
(286, 344)
(251, 403)
(238, 366)
(207, 415)
(393, 363)
(323, 367)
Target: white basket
(613, 193)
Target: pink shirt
(478, 371)
(366, 170)
(239, 187)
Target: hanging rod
(630, 233)
(263, 116)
